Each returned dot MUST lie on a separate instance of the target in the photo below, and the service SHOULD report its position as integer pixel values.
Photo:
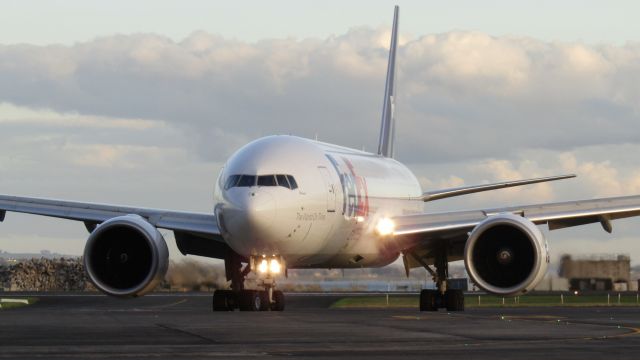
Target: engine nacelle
(126, 256)
(506, 255)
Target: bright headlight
(274, 266)
(263, 267)
(385, 226)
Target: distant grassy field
(12, 305)
(411, 301)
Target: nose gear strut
(246, 299)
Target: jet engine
(126, 256)
(506, 255)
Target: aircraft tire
(428, 300)
(278, 301)
(223, 300)
(454, 300)
(264, 301)
(250, 300)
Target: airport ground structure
(57, 274)
(603, 272)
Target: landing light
(274, 266)
(385, 226)
(263, 267)
(269, 266)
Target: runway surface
(182, 326)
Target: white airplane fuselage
(328, 220)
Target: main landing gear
(250, 300)
(432, 300)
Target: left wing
(422, 232)
(205, 225)
(465, 190)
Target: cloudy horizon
(148, 119)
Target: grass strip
(14, 305)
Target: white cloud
(602, 178)
(488, 93)
(467, 59)
(616, 176)
(448, 182)
(11, 114)
(119, 156)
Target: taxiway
(183, 326)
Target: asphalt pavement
(173, 326)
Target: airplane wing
(202, 224)
(447, 193)
(421, 232)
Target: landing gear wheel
(263, 302)
(278, 301)
(224, 300)
(246, 300)
(253, 300)
(454, 300)
(429, 300)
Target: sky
(140, 103)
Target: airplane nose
(249, 217)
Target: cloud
(449, 182)
(466, 94)
(614, 172)
(603, 178)
(11, 114)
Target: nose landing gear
(250, 300)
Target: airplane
(287, 202)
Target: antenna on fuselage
(388, 124)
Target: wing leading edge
(465, 190)
(205, 225)
(418, 230)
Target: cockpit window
(262, 180)
(266, 180)
(231, 181)
(292, 182)
(282, 181)
(247, 181)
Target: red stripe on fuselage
(362, 193)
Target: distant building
(597, 272)
(552, 282)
